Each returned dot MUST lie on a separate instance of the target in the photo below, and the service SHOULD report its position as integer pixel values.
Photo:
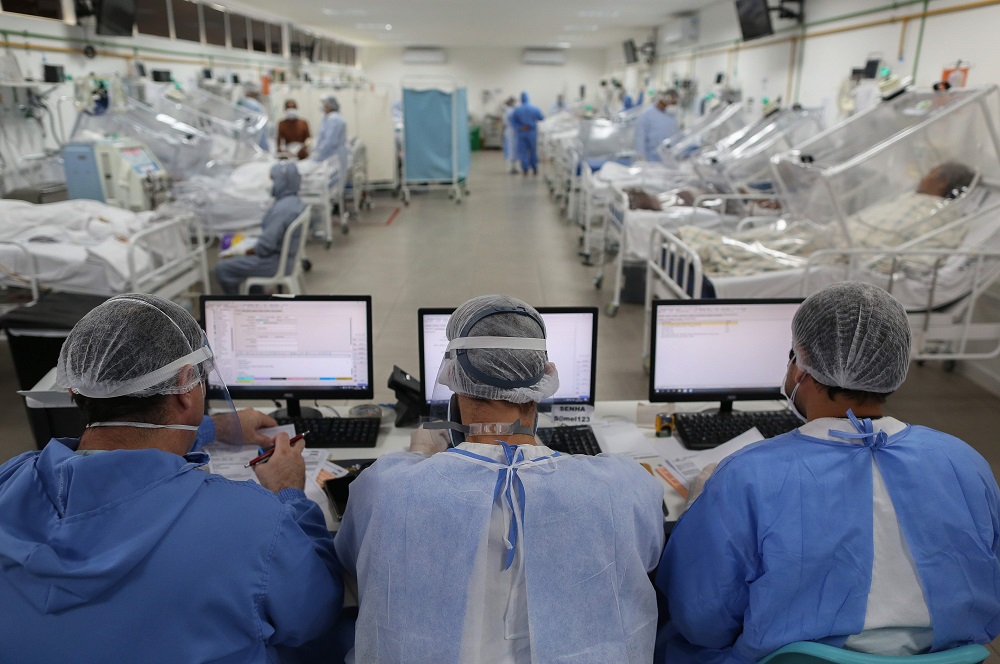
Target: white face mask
(291, 113)
(790, 398)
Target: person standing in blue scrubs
(855, 530)
(655, 125)
(119, 547)
(525, 119)
(252, 101)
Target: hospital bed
(725, 184)
(84, 246)
(838, 189)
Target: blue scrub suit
(779, 547)
(525, 119)
(140, 556)
(654, 127)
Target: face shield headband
(458, 349)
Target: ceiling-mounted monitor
(631, 52)
(115, 18)
(755, 19)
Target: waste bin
(35, 335)
(474, 139)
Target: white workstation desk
(641, 414)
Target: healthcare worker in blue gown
(500, 550)
(856, 530)
(252, 101)
(119, 547)
(331, 141)
(656, 124)
(262, 259)
(525, 120)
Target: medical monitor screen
(571, 346)
(306, 347)
(139, 160)
(719, 350)
(115, 18)
(755, 19)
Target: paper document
(685, 467)
(272, 432)
(621, 437)
(232, 464)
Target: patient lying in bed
(783, 245)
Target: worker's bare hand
(286, 469)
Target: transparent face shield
(195, 372)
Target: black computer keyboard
(336, 431)
(702, 431)
(571, 439)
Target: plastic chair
(808, 652)
(292, 282)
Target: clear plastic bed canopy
(602, 137)
(234, 129)
(885, 152)
(706, 132)
(743, 161)
(181, 148)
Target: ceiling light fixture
(580, 28)
(598, 13)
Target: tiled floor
(507, 238)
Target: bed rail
(958, 318)
(180, 258)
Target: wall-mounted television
(755, 19)
(115, 18)
(631, 52)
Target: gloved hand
(698, 485)
(429, 441)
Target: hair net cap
(331, 101)
(854, 336)
(494, 352)
(133, 345)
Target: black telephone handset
(409, 396)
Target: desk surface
(392, 439)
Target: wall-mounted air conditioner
(544, 56)
(680, 30)
(425, 56)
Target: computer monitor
(719, 350)
(292, 348)
(572, 347)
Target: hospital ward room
(563, 332)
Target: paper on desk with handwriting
(232, 464)
(685, 467)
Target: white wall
(498, 71)
(20, 137)
(767, 68)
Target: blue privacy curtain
(427, 122)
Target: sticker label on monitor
(572, 414)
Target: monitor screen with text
(571, 344)
(306, 347)
(707, 350)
